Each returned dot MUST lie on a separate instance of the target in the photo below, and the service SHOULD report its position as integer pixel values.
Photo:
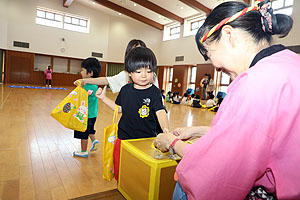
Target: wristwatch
(171, 147)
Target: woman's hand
(101, 93)
(185, 133)
(163, 141)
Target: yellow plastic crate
(141, 176)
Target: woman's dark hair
(49, 67)
(249, 22)
(140, 57)
(92, 65)
(134, 43)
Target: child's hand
(77, 82)
(101, 93)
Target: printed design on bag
(90, 92)
(112, 139)
(73, 93)
(68, 107)
(81, 112)
(144, 111)
(112, 171)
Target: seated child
(184, 100)
(169, 97)
(176, 98)
(196, 102)
(140, 102)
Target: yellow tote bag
(109, 138)
(72, 112)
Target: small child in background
(140, 102)
(185, 99)
(169, 97)
(196, 102)
(163, 94)
(90, 68)
(176, 98)
(191, 99)
(48, 73)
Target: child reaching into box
(90, 68)
(139, 102)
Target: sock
(83, 151)
(94, 140)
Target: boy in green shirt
(90, 68)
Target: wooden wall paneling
(160, 76)
(62, 79)
(103, 69)
(52, 62)
(19, 67)
(180, 78)
(202, 69)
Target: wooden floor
(36, 159)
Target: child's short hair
(92, 65)
(140, 57)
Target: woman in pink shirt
(48, 73)
(252, 150)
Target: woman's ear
(228, 34)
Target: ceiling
(156, 13)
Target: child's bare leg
(84, 144)
(92, 137)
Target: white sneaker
(95, 145)
(49, 86)
(81, 154)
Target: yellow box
(141, 176)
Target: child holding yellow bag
(140, 102)
(90, 68)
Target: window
(224, 81)
(171, 32)
(58, 19)
(193, 77)
(283, 6)
(192, 25)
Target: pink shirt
(48, 75)
(254, 138)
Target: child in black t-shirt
(140, 102)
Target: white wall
(186, 46)
(108, 34)
(124, 29)
(3, 24)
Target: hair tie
(263, 6)
(268, 19)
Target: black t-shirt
(139, 109)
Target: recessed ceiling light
(94, 3)
(120, 13)
(159, 16)
(134, 4)
(181, 7)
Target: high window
(58, 19)
(283, 6)
(192, 25)
(171, 32)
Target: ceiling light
(181, 7)
(120, 13)
(134, 4)
(159, 16)
(94, 3)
